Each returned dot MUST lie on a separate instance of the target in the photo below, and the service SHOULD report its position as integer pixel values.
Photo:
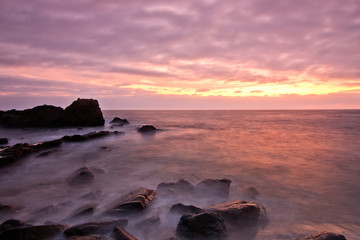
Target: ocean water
(304, 164)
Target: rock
(97, 170)
(181, 209)
(90, 195)
(82, 112)
(32, 232)
(4, 141)
(86, 137)
(149, 224)
(83, 211)
(134, 202)
(6, 209)
(324, 236)
(11, 224)
(51, 209)
(252, 192)
(81, 176)
(99, 227)
(120, 234)
(118, 120)
(180, 187)
(46, 153)
(240, 213)
(213, 187)
(95, 237)
(147, 129)
(201, 226)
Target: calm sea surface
(304, 164)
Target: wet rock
(87, 136)
(47, 153)
(13, 223)
(32, 232)
(82, 176)
(82, 112)
(99, 227)
(95, 237)
(149, 224)
(6, 209)
(147, 129)
(213, 187)
(324, 236)
(180, 187)
(201, 226)
(240, 213)
(181, 209)
(4, 141)
(134, 202)
(83, 211)
(118, 120)
(120, 234)
(252, 192)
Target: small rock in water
(51, 209)
(4, 141)
(90, 195)
(83, 211)
(180, 187)
(13, 223)
(149, 224)
(99, 227)
(213, 187)
(147, 129)
(201, 226)
(6, 209)
(118, 120)
(82, 176)
(42, 232)
(181, 209)
(252, 192)
(133, 202)
(120, 234)
(44, 154)
(324, 236)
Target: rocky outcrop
(133, 202)
(120, 234)
(147, 129)
(32, 232)
(81, 176)
(99, 227)
(9, 155)
(201, 226)
(324, 236)
(82, 112)
(119, 121)
(4, 141)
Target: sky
(181, 54)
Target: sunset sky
(179, 54)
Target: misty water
(304, 164)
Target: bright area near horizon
(206, 54)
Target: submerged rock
(181, 209)
(99, 227)
(147, 129)
(149, 225)
(133, 202)
(87, 136)
(32, 232)
(81, 176)
(6, 209)
(324, 236)
(46, 153)
(82, 112)
(118, 120)
(180, 187)
(13, 223)
(252, 192)
(213, 187)
(83, 211)
(4, 141)
(120, 234)
(201, 226)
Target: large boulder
(324, 236)
(82, 112)
(133, 202)
(201, 226)
(99, 227)
(32, 232)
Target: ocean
(305, 164)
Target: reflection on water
(304, 164)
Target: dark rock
(82, 112)
(182, 209)
(46, 153)
(83, 211)
(11, 224)
(213, 187)
(118, 120)
(90, 195)
(4, 141)
(97, 170)
(147, 129)
(252, 192)
(82, 176)
(86, 137)
(46, 211)
(149, 224)
(180, 187)
(120, 234)
(240, 213)
(32, 232)
(324, 236)
(95, 237)
(134, 201)
(6, 209)
(99, 227)
(201, 226)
